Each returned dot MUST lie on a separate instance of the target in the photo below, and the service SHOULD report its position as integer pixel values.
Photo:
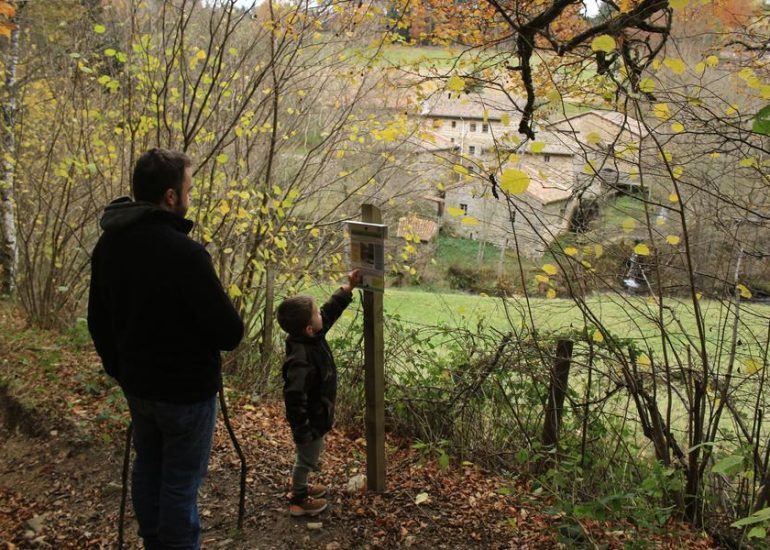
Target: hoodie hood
(124, 212)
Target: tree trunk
(269, 318)
(557, 392)
(8, 246)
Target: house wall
(536, 225)
(464, 135)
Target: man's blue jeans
(173, 444)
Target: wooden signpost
(374, 360)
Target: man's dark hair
(156, 171)
(295, 314)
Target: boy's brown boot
(316, 490)
(307, 507)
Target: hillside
(62, 425)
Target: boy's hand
(354, 279)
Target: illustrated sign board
(367, 253)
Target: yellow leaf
(541, 278)
(224, 208)
(673, 240)
(644, 360)
(550, 269)
(712, 61)
(453, 211)
(747, 162)
(536, 146)
(200, 54)
(678, 4)
(677, 172)
(661, 111)
(677, 127)
(673, 197)
(603, 43)
(698, 295)
(460, 169)
(642, 249)
(234, 291)
(647, 85)
(700, 68)
(675, 64)
(514, 181)
(514, 158)
(98, 29)
(593, 138)
(470, 220)
(660, 221)
(222, 158)
(570, 251)
(551, 294)
(752, 366)
(745, 292)
(314, 232)
(505, 119)
(597, 337)
(599, 250)
(629, 224)
(455, 83)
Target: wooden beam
(374, 386)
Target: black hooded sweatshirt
(157, 311)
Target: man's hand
(354, 279)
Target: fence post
(557, 391)
(374, 386)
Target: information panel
(367, 253)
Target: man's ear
(309, 330)
(169, 197)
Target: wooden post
(374, 386)
(557, 392)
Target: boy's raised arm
(334, 306)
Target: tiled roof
(472, 105)
(426, 230)
(621, 120)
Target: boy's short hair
(295, 314)
(156, 171)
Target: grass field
(624, 317)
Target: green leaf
(729, 466)
(757, 533)
(443, 461)
(99, 29)
(505, 491)
(762, 121)
(110, 52)
(751, 520)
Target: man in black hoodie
(159, 317)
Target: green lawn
(624, 317)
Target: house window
(454, 124)
(452, 140)
(473, 127)
(471, 168)
(471, 149)
(485, 127)
(546, 158)
(464, 208)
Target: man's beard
(180, 209)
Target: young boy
(310, 386)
